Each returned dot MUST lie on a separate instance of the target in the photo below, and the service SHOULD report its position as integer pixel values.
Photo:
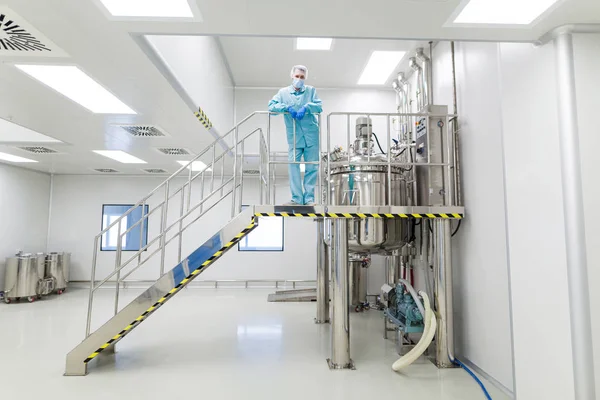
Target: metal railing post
(142, 230)
(163, 225)
(389, 160)
(268, 144)
(117, 266)
(92, 284)
(180, 239)
(235, 166)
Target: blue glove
(300, 113)
(292, 112)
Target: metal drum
(22, 278)
(367, 185)
(57, 268)
(358, 265)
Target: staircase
(195, 195)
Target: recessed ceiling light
(516, 12)
(120, 156)
(149, 8)
(314, 43)
(380, 67)
(197, 166)
(15, 159)
(73, 83)
(11, 132)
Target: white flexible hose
(426, 338)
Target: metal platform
(132, 315)
(360, 212)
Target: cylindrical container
(52, 269)
(21, 279)
(357, 265)
(64, 264)
(354, 184)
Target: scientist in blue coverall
(302, 104)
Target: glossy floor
(212, 344)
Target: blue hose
(487, 395)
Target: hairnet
(299, 68)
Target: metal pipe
(412, 63)
(457, 181)
(269, 158)
(118, 265)
(574, 219)
(320, 175)
(329, 159)
(180, 227)
(242, 177)
(340, 326)
(425, 77)
(92, 280)
(444, 354)
(235, 167)
(163, 224)
(322, 274)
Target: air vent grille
(174, 151)
(251, 172)
(155, 171)
(106, 170)
(143, 131)
(38, 150)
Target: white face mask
(298, 83)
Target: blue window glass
(131, 240)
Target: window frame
(263, 250)
(145, 212)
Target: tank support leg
(340, 326)
(322, 274)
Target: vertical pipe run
(322, 274)
(340, 326)
(577, 269)
(320, 174)
(444, 354)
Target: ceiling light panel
(380, 67)
(120, 156)
(73, 83)
(197, 166)
(13, 133)
(513, 12)
(149, 8)
(15, 159)
(314, 43)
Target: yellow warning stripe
(360, 215)
(171, 292)
(203, 118)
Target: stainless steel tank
(367, 185)
(22, 278)
(57, 268)
(358, 264)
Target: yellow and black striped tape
(359, 215)
(176, 289)
(202, 117)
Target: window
(130, 241)
(268, 236)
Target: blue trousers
(310, 175)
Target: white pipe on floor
(426, 338)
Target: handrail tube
(392, 114)
(161, 235)
(176, 235)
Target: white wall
(507, 104)
(482, 308)
(76, 219)
(587, 65)
(24, 201)
(198, 65)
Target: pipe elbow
(412, 63)
(421, 55)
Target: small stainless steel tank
(358, 264)
(21, 279)
(367, 185)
